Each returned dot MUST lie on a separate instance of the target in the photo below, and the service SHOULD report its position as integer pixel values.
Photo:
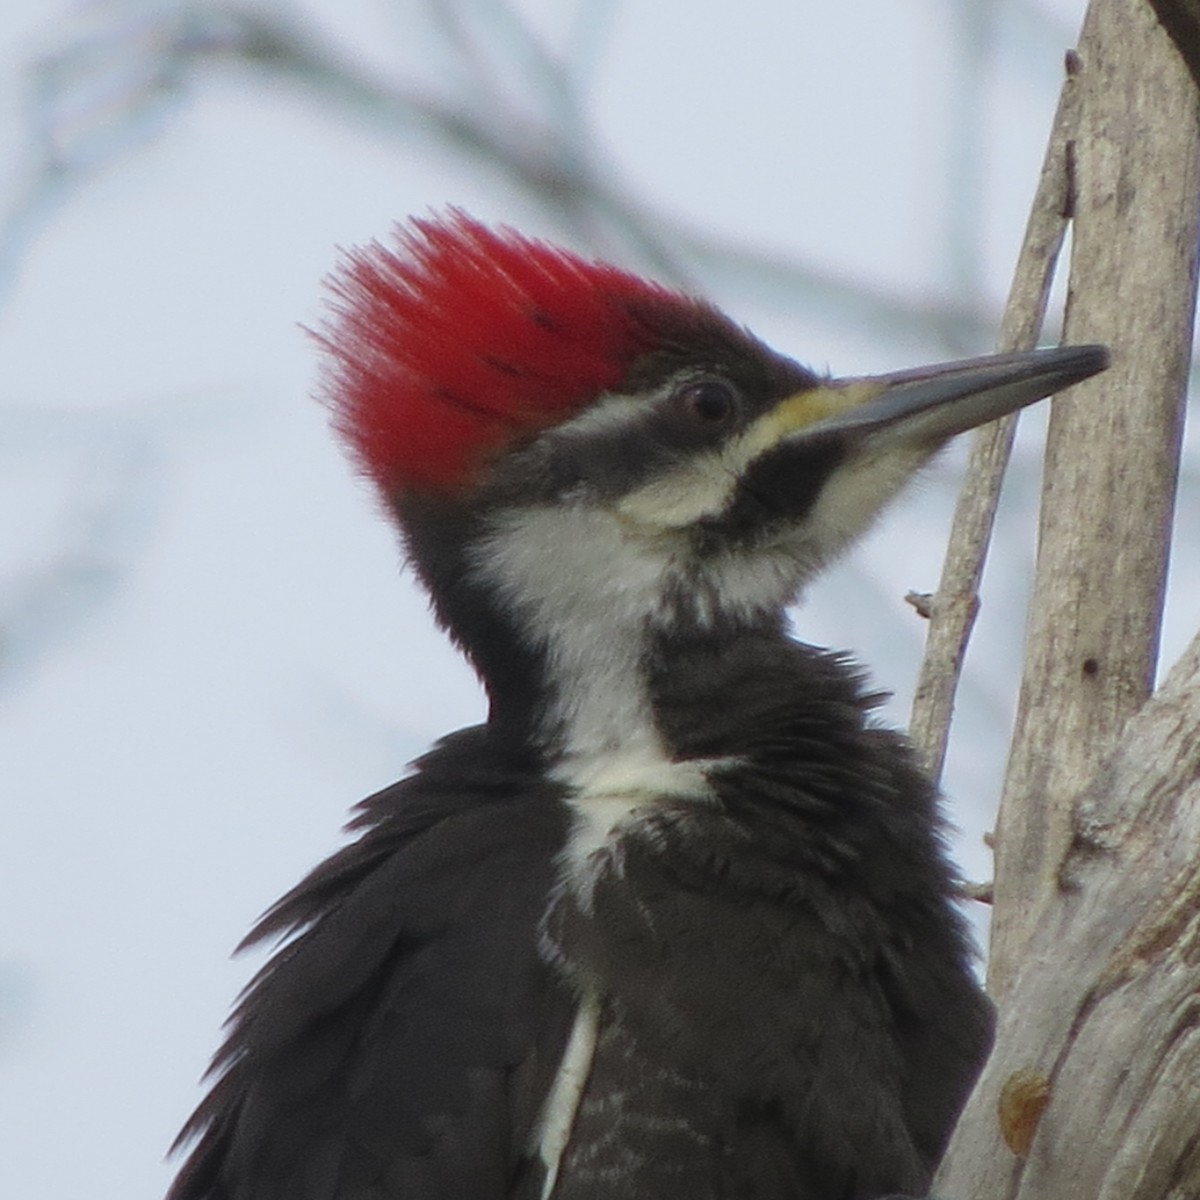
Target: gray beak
(927, 405)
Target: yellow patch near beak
(806, 408)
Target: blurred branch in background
(104, 91)
(89, 486)
(123, 68)
(81, 560)
(102, 94)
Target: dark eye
(709, 402)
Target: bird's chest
(686, 987)
(667, 910)
(728, 983)
(637, 1126)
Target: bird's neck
(598, 616)
(577, 632)
(611, 694)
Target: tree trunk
(1103, 1016)
(1111, 456)
(1093, 1089)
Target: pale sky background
(207, 649)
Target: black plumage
(788, 957)
(784, 966)
(386, 1050)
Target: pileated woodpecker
(676, 922)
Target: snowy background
(207, 649)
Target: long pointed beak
(927, 405)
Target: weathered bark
(1105, 1007)
(1093, 1089)
(1111, 456)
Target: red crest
(461, 339)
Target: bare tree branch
(953, 608)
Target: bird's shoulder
(394, 1044)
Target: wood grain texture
(1112, 452)
(1106, 1002)
(1096, 931)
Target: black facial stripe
(612, 460)
(781, 485)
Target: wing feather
(389, 1047)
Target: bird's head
(566, 442)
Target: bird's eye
(709, 402)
